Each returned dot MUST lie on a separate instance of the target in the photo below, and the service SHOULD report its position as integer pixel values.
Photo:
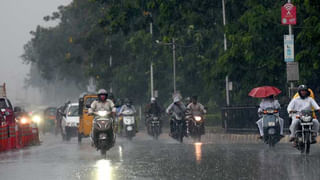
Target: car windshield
(73, 111)
(89, 101)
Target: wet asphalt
(144, 158)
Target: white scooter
(129, 123)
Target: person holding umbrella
(267, 93)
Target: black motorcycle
(271, 127)
(303, 135)
(196, 126)
(104, 137)
(179, 128)
(154, 126)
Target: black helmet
(303, 88)
(127, 101)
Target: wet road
(145, 159)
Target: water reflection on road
(144, 158)
(103, 170)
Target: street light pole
(151, 64)
(225, 49)
(174, 64)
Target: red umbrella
(264, 91)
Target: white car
(70, 122)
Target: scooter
(103, 135)
(129, 123)
(271, 126)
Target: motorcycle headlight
(102, 113)
(197, 118)
(306, 118)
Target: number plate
(102, 136)
(128, 120)
(271, 123)
(129, 128)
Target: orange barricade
(3, 137)
(12, 136)
(24, 135)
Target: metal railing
(243, 118)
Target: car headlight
(36, 119)
(23, 120)
(197, 118)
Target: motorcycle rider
(303, 102)
(128, 106)
(152, 109)
(178, 109)
(269, 102)
(196, 108)
(102, 104)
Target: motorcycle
(178, 123)
(271, 126)
(129, 123)
(154, 126)
(196, 126)
(103, 131)
(303, 135)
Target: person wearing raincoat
(269, 102)
(176, 109)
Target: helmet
(103, 95)
(127, 101)
(176, 99)
(102, 91)
(303, 88)
(153, 99)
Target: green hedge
(213, 119)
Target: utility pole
(110, 63)
(290, 33)
(151, 64)
(225, 49)
(174, 64)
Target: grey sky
(17, 19)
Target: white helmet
(176, 99)
(153, 99)
(102, 91)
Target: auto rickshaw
(85, 124)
